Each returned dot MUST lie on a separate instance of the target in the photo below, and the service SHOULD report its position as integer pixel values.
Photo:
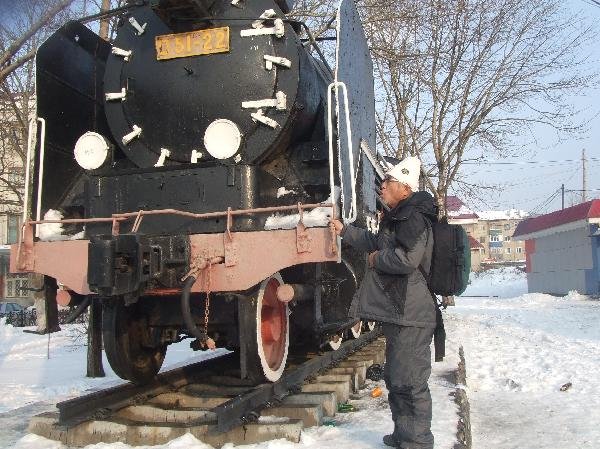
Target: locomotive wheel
(335, 342)
(267, 351)
(356, 330)
(124, 331)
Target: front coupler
(129, 263)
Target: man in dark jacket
(394, 292)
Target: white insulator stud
(279, 102)
(132, 135)
(270, 60)
(236, 3)
(258, 116)
(112, 96)
(135, 24)
(278, 30)
(268, 14)
(126, 54)
(280, 99)
(196, 155)
(164, 154)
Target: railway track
(208, 401)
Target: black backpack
(451, 259)
(449, 272)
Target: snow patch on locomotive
(319, 216)
(52, 231)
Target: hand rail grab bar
(40, 174)
(30, 136)
(337, 85)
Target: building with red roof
(490, 233)
(458, 212)
(562, 250)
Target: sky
(532, 181)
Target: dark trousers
(407, 370)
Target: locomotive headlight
(222, 138)
(91, 150)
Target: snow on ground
(505, 282)
(520, 350)
(30, 383)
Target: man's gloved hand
(337, 225)
(372, 258)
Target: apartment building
(13, 287)
(460, 214)
(493, 230)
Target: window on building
(507, 226)
(12, 229)
(519, 249)
(507, 250)
(495, 238)
(507, 238)
(16, 178)
(496, 250)
(481, 239)
(16, 286)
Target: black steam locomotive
(201, 155)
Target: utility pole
(583, 196)
(562, 194)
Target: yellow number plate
(192, 43)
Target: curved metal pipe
(186, 311)
(83, 305)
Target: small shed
(477, 250)
(562, 250)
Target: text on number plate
(192, 43)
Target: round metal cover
(91, 150)
(222, 138)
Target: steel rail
(235, 412)
(103, 402)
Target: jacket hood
(421, 202)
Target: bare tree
(12, 55)
(457, 79)
(21, 32)
(24, 25)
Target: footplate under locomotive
(137, 263)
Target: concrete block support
(137, 434)
(309, 414)
(327, 400)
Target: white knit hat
(407, 172)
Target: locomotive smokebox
(229, 83)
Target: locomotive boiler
(195, 162)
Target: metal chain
(210, 343)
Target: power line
(528, 162)
(580, 190)
(545, 203)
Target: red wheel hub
(273, 325)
